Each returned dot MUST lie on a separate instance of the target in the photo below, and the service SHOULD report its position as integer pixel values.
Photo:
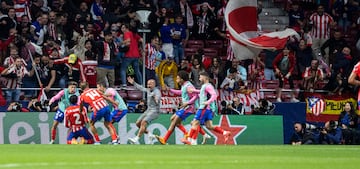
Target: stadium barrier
(34, 128)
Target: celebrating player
(152, 112)
(75, 121)
(186, 109)
(97, 102)
(207, 107)
(64, 102)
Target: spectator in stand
(331, 134)
(182, 7)
(296, 17)
(284, 65)
(12, 17)
(39, 29)
(74, 70)
(47, 73)
(166, 39)
(303, 54)
(343, 12)
(205, 22)
(178, 35)
(16, 107)
(4, 44)
(321, 23)
(167, 72)
(150, 57)
(334, 44)
(343, 60)
(269, 72)
(230, 83)
(14, 74)
(312, 76)
(156, 20)
(256, 74)
(185, 65)
(241, 72)
(106, 60)
(348, 122)
(132, 56)
(90, 68)
(216, 72)
(196, 68)
(97, 10)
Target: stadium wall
(34, 128)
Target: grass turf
(178, 156)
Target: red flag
(246, 40)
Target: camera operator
(265, 108)
(16, 107)
(232, 107)
(302, 134)
(331, 133)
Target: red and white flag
(245, 39)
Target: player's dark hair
(183, 75)
(72, 83)
(203, 73)
(73, 99)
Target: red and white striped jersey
(321, 25)
(94, 99)
(150, 56)
(22, 8)
(230, 53)
(74, 119)
(13, 83)
(308, 72)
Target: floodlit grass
(178, 156)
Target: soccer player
(119, 111)
(353, 79)
(207, 107)
(63, 97)
(152, 112)
(186, 109)
(98, 103)
(75, 121)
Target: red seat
(134, 94)
(217, 44)
(197, 44)
(189, 52)
(123, 94)
(210, 52)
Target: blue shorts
(84, 132)
(104, 112)
(183, 114)
(203, 115)
(59, 116)
(117, 115)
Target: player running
(186, 109)
(98, 103)
(75, 121)
(63, 97)
(206, 110)
(152, 112)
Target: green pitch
(178, 157)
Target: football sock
(218, 130)
(53, 134)
(201, 130)
(182, 128)
(167, 135)
(96, 137)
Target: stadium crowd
(47, 43)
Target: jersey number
(77, 118)
(93, 94)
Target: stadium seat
(123, 94)
(196, 44)
(134, 94)
(189, 52)
(210, 52)
(217, 44)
